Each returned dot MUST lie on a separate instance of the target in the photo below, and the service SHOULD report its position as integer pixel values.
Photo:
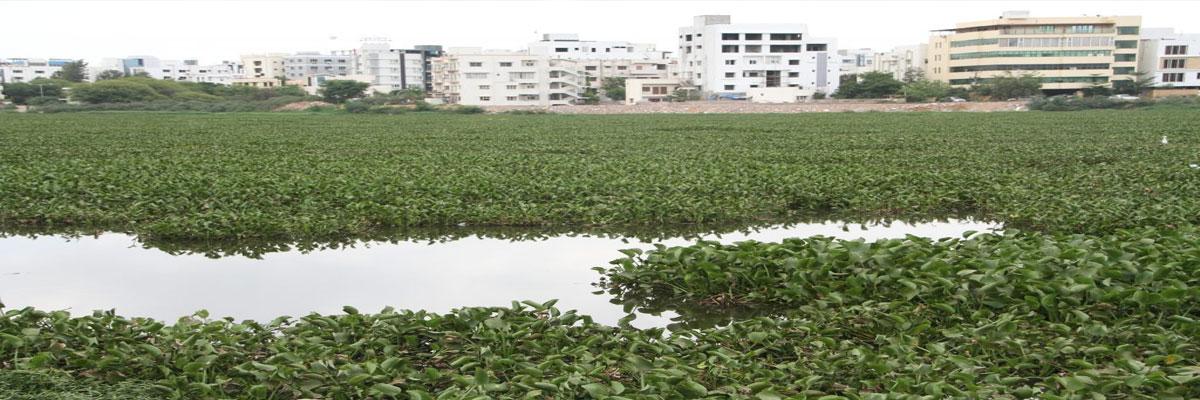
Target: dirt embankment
(741, 107)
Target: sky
(212, 31)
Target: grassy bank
(237, 176)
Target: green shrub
(41, 101)
(127, 90)
(356, 107)
(423, 106)
(466, 110)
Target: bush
(356, 107)
(424, 106)
(116, 91)
(466, 110)
(526, 112)
(196, 96)
(819, 96)
(1068, 103)
(44, 100)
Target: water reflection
(106, 271)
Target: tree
(21, 92)
(1011, 86)
(1097, 89)
(1140, 84)
(74, 71)
(115, 91)
(109, 74)
(913, 75)
(590, 96)
(872, 85)
(847, 79)
(923, 90)
(410, 95)
(338, 91)
(614, 88)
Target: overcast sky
(221, 30)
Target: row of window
(1176, 50)
(759, 36)
(775, 48)
(1175, 77)
(1033, 53)
(770, 60)
(1174, 63)
(1028, 67)
(505, 64)
(1044, 79)
(758, 74)
(511, 87)
(1063, 29)
(524, 97)
(1086, 41)
(314, 60)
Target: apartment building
(222, 73)
(473, 76)
(28, 69)
(723, 58)
(899, 61)
(393, 69)
(311, 64)
(1172, 60)
(855, 61)
(267, 65)
(599, 60)
(1068, 53)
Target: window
(785, 36)
(687, 38)
(589, 68)
(506, 64)
(730, 62)
(793, 62)
(1173, 77)
(752, 62)
(1173, 63)
(660, 90)
(511, 98)
(793, 74)
(1082, 29)
(485, 98)
(510, 87)
(753, 36)
(1176, 50)
(622, 68)
(476, 64)
(560, 49)
(528, 63)
(688, 49)
(973, 42)
(1126, 44)
(1033, 53)
(730, 36)
(750, 74)
(645, 88)
(816, 47)
(728, 87)
(785, 48)
(754, 48)
(1124, 57)
(476, 75)
(730, 74)
(1127, 30)
(485, 87)
(729, 48)
(1123, 71)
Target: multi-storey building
(607, 59)
(310, 64)
(1068, 53)
(722, 58)
(393, 69)
(28, 69)
(473, 76)
(1172, 60)
(856, 61)
(901, 61)
(269, 65)
(174, 70)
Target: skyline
(146, 28)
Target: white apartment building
(900, 60)
(473, 76)
(723, 58)
(392, 69)
(607, 59)
(1172, 60)
(856, 61)
(268, 65)
(311, 64)
(28, 69)
(174, 70)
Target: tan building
(651, 90)
(1068, 53)
(263, 65)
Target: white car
(958, 100)
(1123, 97)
